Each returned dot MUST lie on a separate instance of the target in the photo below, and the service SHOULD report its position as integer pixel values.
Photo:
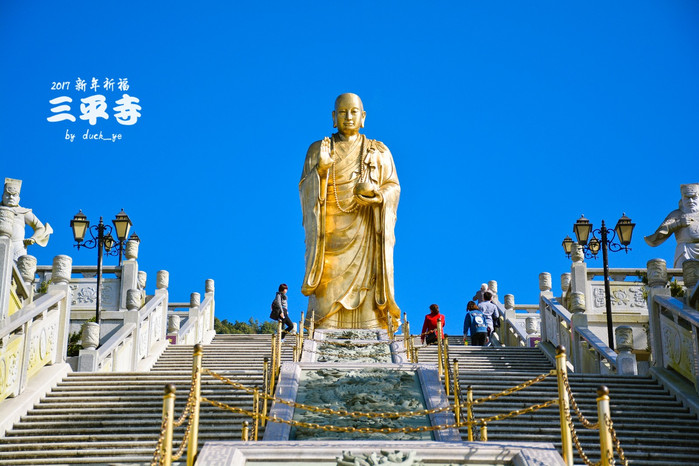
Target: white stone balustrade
(193, 322)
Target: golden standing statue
(349, 196)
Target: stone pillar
(690, 274)
(657, 284)
(625, 360)
(90, 335)
(194, 300)
(578, 320)
(210, 290)
(129, 272)
(162, 279)
(27, 268)
(544, 292)
(60, 282)
(195, 315)
(493, 288)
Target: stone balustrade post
(578, 320)
(690, 275)
(657, 284)
(625, 360)
(210, 289)
(27, 269)
(195, 314)
(544, 292)
(162, 281)
(61, 271)
(129, 272)
(565, 286)
(578, 272)
(493, 288)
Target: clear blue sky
(507, 120)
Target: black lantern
(624, 230)
(79, 225)
(582, 229)
(568, 245)
(122, 225)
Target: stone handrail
(34, 335)
(140, 334)
(618, 273)
(588, 353)
(199, 327)
(674, 329)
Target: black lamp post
(102, 239)
(591, 246)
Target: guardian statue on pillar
(684, 223)
(349, 196)
(22, 217)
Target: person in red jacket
(429, 328)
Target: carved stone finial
(509, 301)
(624, 338)
(493, 286)
(544, 281)
(657, 273)
(131, 250)
(531, 325)
(209, 287)
(577, 253)
(173, 324)
(62, 269)
(27, 268)
(142, 278)
(194, 300)
(577, 302)
(162, 279)
(90, 337)
(690, 273)
(133, 300)
(565, 282)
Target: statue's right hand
(325, 161)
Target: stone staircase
(654, 428)
(114, 418)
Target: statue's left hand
(29, 242)
(377, 198)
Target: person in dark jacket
(475, 325)
(280, 310)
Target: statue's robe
(22, 217)
(349, 249)
(687, 237)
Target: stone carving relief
(85, 295)
(677, 345)
(622, 297)
(387, 458)
(142, 340)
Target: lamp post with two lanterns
(591, 247)
(102, 239)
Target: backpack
(276, 311)
(478, 322)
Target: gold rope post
(168, 417)
(301, 332)
(605, 437)
(484, 431)
(274, 364)
(196, 377)
(440, 369)
(244, 434)
(446, 366)
(256, 411)
(469, 412)
(279, 352)
(564, 405)
(265, 387)
(415, 350)
(457, 403)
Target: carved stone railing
(36, 333)
(588, 353)
(674, 323)
(198, 318)
(520, 324)
(140, 335)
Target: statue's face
(10, 199)
(690, 201)
(349, 115)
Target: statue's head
(349, 114)
(10, 196)
(690, 197)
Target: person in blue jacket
(475, 325)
